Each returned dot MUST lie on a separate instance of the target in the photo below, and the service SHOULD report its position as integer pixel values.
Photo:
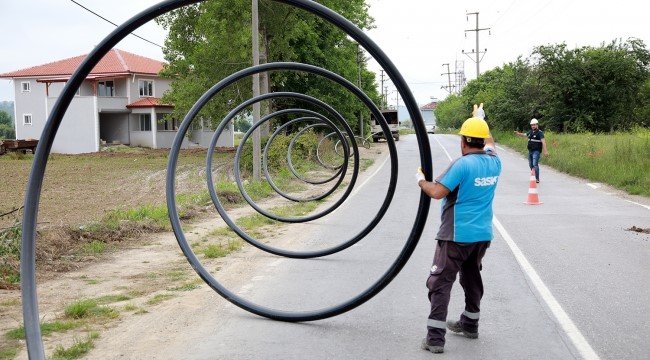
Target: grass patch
(47, 328)
(8, 353)
(109, 299)
(364, 164)
(159, 298)
(154, 216)
(94, 247)
(188, 286)
(77, 350)
(177, 275)
(617, 159)
(252, 225)
(130, 307)
(136, 310)
(213, 251)
(11, 302)
(89, 308)
(10, 256)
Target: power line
(504, 13)
(110, 22)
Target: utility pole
(359, 86)
(386, 97)
(476, 50)
(256, 92)
(383, 101)
(449, 87)
(264, 84)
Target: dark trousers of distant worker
(451, 258)
(533, 162)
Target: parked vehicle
(393, 125)
(431, 128)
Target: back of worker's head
(476, 143)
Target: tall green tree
(211, 40)
(6, 126)
(594, 89)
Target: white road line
(560, 315)
(443, 148)
(370, 177)
(593, 185)
(636, 203)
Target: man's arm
(520, 134)
(544, 149)
(433, 189)
(489, 143)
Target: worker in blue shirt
(467, 187)
(536, 145)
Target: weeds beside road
(121, 197)
(618, 159)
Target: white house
(118, 103)
(429, 116)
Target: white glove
(419, 175)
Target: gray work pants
(451, 258)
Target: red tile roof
(146, 102)
(430, 106)
(114, 62)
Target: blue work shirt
(467, 210)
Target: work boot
(436, 349)
(457, 327)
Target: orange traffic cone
(533, 196)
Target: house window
(167, 123)
(145, 122)
(106, 88)
(27, 119)
(146, 88)
(26, 86)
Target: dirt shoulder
(145, 285)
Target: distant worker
(536, 144)
(467, 187)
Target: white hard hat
(534, 121)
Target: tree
(242, 124)
(211, 40)
(6, 126)
(595, 89)
(451, 112)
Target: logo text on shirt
(486, 181)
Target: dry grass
(86, 199)
(81, 188)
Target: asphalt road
(563, 280)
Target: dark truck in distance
(393, 125)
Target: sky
(418, 35)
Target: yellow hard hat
(476, 128)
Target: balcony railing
(111, 103)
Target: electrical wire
(110, 22)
